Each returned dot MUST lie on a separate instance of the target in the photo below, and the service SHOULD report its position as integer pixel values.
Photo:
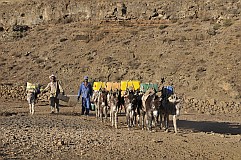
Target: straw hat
(52, 75)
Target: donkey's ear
(178, 100)
(160, 98)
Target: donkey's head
(176, 101)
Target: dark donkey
(114, 105)
(170, 106)
(151, 108)
(102, 103)
(130, 107)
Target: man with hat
(86, 91)
(55, 90)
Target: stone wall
(210, 106)
(16, 92)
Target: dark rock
(63, 39)
(1, 28)
(20, 28)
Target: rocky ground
(69, 135)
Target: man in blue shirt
(86, 91)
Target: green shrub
(163, 26)
(227, 22)
(216, 26)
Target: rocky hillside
(194, 45)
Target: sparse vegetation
(134, 32)
(182, 38)
(18, 35)
(39, 61)
(227, 22)
(163, 26)
(217, 26)
(212, 32)
(48, 67)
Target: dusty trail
(69, 135)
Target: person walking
(55, 89)
(86, 91)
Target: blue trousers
(85, 105)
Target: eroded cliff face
(34, 12)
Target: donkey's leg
(101, 113)
(131, 118)
(111, 114)
(116, 118)
(128, 120)
(138, 120)
(105, 111)
(96, 110)
(30, 108)
(149, 122)
(33, 105)
(161, 124)
(143, 119)
(166, 119)
(175, 123)
(155, 118)
(112, 118)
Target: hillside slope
(194, 45)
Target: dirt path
(69, 135)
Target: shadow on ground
(210, 126)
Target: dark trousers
(54, 103)
(85, 106)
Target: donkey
(94, 99)
(139, 107)
(170, 106)
(155, 109)
(114, 107)
(32, 95)
(31, 98)
(102, 104)
(121, 101)
(150, 108)
(130, 107)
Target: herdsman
(167, 90)
(86, 91)
(55, 89)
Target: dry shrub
(163, 26)
(101, 36)
(216, 26)
(182, 39)
(211, 32)
(81, 37)
(227, 22)
(48, 67)
(96, 27)
(39, 61)
(134, 33)
(18, 35)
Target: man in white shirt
(55, 89)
